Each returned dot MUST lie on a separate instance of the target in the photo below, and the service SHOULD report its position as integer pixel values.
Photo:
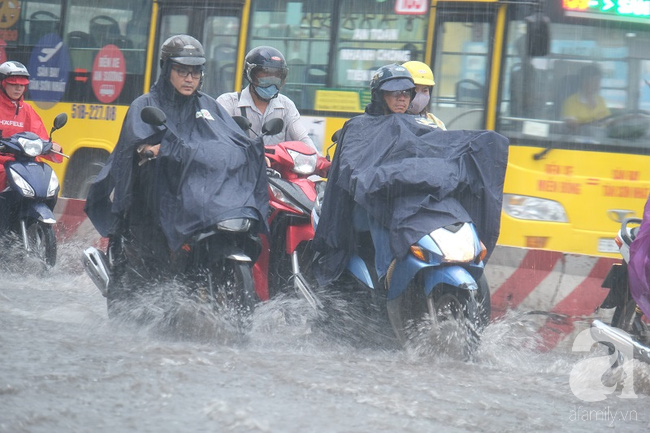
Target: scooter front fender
(455, 276)
(39, 211)
(432, 275)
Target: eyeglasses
(398, 93)
(184, 72)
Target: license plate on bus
(607, 245)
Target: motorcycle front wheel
(234, 288)
(42, 242)
(458, 308)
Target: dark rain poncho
(413, 179)
(207, 170)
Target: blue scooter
(440, 278)
(28, 202)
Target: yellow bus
(495, 66)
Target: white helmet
(15, 69)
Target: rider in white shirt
(266, 71)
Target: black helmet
(391, 77)
(183, 49)
(265, 58)
(16, 70)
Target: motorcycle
(214, 266)
(627, 317)
(31, 193)
(295, 174)
(440, 279)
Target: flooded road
(65, 368)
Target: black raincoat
(207, 171)
(413, 179)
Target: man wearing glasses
(162, 184)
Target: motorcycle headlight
(33, 147)
(235, 225)
(534, 208)
(53, 186)
(456, 247)
(303, 164)
(21, 183)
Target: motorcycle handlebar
(624, 231)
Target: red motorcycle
(295, 176)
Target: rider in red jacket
(16, 115)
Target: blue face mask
(267, 93)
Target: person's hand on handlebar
(148, 152)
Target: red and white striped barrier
(565, 287)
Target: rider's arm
(229, 102)
(295, 129)
(35, 125)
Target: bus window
(105, 29)
(301, 30)
(540, 93)
(220, 38)
(371, 35)
(460, 69)
(39, 19)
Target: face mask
(419, 103)
(267, 93)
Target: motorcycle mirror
(335, 139)
(59, 121)
(272, 127)
(243, 122)
(153, 116)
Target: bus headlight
(53, 186)
(534, 208)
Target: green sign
(624, 10)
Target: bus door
(217, 26)
(461, 53)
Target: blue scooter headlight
(31, 147)
(25, 188)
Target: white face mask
(419, 103)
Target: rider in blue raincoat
(408, 177)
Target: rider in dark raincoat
(410, 178)
(161, 186)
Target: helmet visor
(17, 80)
(261, 72)
(189, 61)
(397, 84)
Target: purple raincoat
(639, 266)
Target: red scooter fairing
(295, 170)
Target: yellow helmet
(420, 72)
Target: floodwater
(65, 368)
